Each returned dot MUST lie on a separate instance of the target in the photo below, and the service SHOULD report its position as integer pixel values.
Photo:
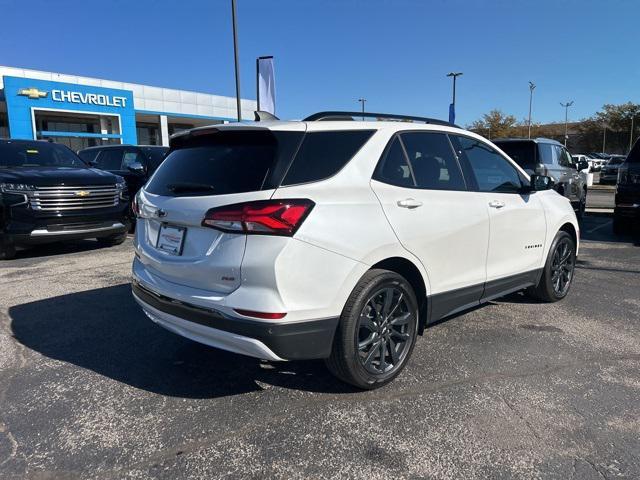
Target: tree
(495, 124)
(617, 121)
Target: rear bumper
(277, 340)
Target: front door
(424, 195)
(517, 219)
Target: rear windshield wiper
(190, 187)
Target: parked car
(48, 194)
(589, 161)
(135, 163)
(341, 239)
(543, 156)
(609, 173)
(627, 211)
(600, 159)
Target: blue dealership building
(83, 111)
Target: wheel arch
(409, 270)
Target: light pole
(452, 109)
(604, 137)
(235, 54)
(362, 101)
(631, 136)
(531, 89)
(566, 120)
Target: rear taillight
(263, 217)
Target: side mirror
(136, 167)
(93, 164)
(541, 182)
(582, 165)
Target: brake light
(263, 217)
(263, 315)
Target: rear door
(209, 170)
(424, 195)
(517, 219)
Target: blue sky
(330, 53)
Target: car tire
(7, 252)
(620, 227)
(558, 271)
(377, 331)
(112, 240)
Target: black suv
(135, 163)
(543, 156)
(48, 194)
(627, 212)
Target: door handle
(496, 204)
(409, 203)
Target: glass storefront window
(4, 125)
(148, 133)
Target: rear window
(37, 154)
(523, 153)
(323, 154)
(225, 162)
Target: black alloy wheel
(562, 267)
(377, 330)
(384, 331)
(559, 270)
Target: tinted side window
(564, 159)
(323, 154)
(394, 168)
(493, 173)
(547, 153)
(88, 155)
(109, 159)
(432, 161)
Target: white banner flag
(266, 85)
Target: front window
(493, 173)
(17, 154)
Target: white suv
(341, 239)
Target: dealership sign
(67, 96)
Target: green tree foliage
(584, 136)
(617, 120)
(494, 124)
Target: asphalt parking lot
(89, 388)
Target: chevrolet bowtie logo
(32, 93)
(82, 193)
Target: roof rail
(339, 115)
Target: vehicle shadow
(105, 331)
(598, 227)
(59, 248)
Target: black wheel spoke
(366, 342)
(383, 354)
(385, 330)
(400, 336)
(400, 320)
(371, 355)
(388, 300)
(395, 358)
